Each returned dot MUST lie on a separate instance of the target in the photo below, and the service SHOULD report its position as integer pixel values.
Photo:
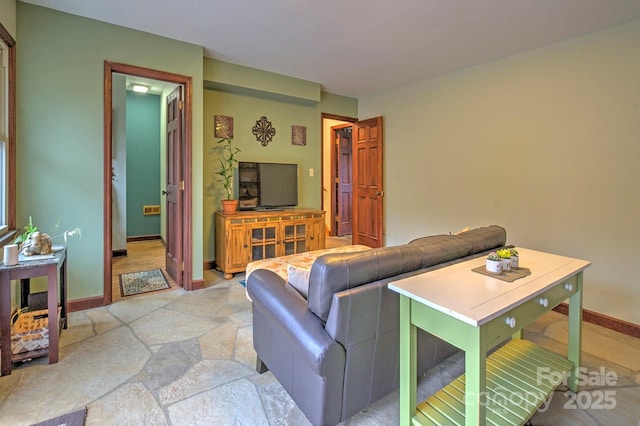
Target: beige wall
(545, 143)
(8, 16)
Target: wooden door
(174, 187)
(367, 174)
(343, 179)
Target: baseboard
(605, 321)
(209, 264)
(119, 253)
(86, 303)
(144, 238)
(197, 285)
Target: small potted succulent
(505, 256)
(515, 258)
(493, 263)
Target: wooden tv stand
(246, 236)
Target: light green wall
(545, 143)
(60, 126)
(283, 112)
(8, 16)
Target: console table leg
(475, 370)
(408, 362)
(575, 333)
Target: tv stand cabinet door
(293, 236)
(316, 239)
(238, 250)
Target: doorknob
(380, 193)
(164, 192)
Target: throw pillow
(299, 279)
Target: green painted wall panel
(60, 126)
(246, 109)
(143, 163)
(219, 75)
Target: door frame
(186, 82)
(332, 160)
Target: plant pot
(515, 262)
(229, 206)
(493, 266)
(506, 264)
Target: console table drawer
(517, 318)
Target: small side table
(55, 269)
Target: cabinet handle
(568, 286)
(245, 246)
(544, 302)
(311, 238)
(511, 322)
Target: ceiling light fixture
(140, 88)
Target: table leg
(575, 334)
(5, 323)
(63, 292)
(52, 304)
(25, 289)
(475, 357)
(408, 363)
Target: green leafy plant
(513, 251)
(504, 253)
(30, 228)
(493, 256)
(227, 164)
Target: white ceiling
(356, 47)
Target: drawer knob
(511, 322)
(568, 286)
(544, 302)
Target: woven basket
(30, 332)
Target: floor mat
(142, 282)
(76, 418)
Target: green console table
(476, 312)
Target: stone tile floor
(178, 358)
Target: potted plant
(493, 263)
(515, 258)
(505, 255)
(227, 164)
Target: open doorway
(364, 177)
(139, 151)
(176, 180)
(337, 174)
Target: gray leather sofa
(337, 352)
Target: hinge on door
(337, 180)
(182, 265)
(182, 185)
(180, 104)
(337, 218)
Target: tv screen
(267, 185)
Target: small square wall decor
(223, 127)
(298, 135)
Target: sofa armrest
(285, 309)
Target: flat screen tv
(267, 186)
